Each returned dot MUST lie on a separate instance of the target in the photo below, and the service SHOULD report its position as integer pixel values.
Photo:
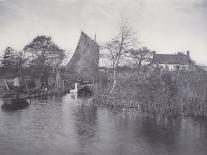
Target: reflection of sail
(86, 126)
(85, 60)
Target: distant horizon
(164, 26)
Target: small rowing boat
(14, 103)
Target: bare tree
(118, 47)
(111, 53)
(140, 56)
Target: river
(70, 126)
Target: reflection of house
(171, 62)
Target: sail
(84, 61)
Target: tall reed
(163, 93)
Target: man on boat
(17, 85)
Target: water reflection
(158, 133)
(68, 125)
(86, 126)
(74, 96)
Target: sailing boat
(17, 100)
(84, 62)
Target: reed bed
(163, 93)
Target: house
(172, 62)
(203, 68)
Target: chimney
(188, 54)
(95, 38)
(153, 52)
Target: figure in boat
(16, 83)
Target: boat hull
(14, 104)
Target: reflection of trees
(158, 132)
(86, 125)
(58, 98)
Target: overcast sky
(166, 26)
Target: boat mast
(20, 70)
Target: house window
(170, 67)
(166, 67)
(183, 68)
(177, 67)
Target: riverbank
(160, 93)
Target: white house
(179, 61)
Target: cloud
(201, 4)
(163, 25)
(66, 0)
(95, 12)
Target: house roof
(181, 59)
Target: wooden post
(63, 85)
(7, 87)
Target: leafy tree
(8, 62)
(21, 62)
(140, 56)
(43, 54)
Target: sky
(165, 26)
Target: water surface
(67, 125)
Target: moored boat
(14, 103)
(11, 102)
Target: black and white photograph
(103, 77)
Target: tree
(8, 62)
(140, 56)
(21, 61)
(118, 47)
(111, 53)
(44, 54)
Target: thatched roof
(181, 59)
